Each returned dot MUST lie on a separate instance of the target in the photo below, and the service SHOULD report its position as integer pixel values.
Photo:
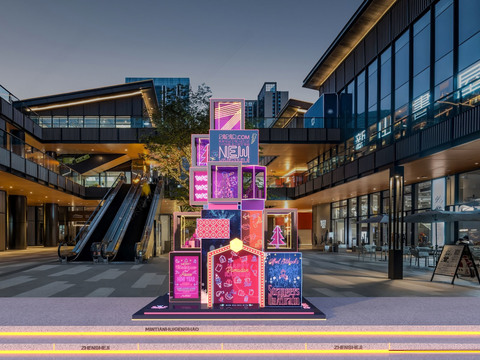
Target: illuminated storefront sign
(359, 139)
(184, 276)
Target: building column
(50, 225)
(17, 222)
(395, 224)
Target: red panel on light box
(213, 228)
(252, 229)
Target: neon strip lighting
(239, 333)
(231, 313)
(232, 352)
(102, 98)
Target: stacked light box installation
(237, 251)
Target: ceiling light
(101, 98)
(58, 149)
(374, 188)
(476, 163)
(93, 149)
(11, 187)
(31, 192)
(46, 197)
(126, 149)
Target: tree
(277, 237)
(169, 146)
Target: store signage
(234, 146)
(359, 139)
(283, 279)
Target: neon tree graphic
(277, 238)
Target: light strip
(232, 352)
(102, 98)
(241, 333)
(354, 46)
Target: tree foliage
(169, 146)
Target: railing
(143, 248)
(91, 121)
(114, 236)
(21, 152)
(10, 98)
(385, 133)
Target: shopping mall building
(401, 82)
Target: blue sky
(54, 46)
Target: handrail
(116, 230)
(142, 247)
(92, 219)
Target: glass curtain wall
(402, 71)
(421, 73)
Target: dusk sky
(55, 46)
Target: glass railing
(28, 152)
(386, 132)
(91, 121)
(295, 122)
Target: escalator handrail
(112, 228)
(93, 219)
(142, 245)
(123, 220)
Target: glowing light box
(200, 149)
(213, 228)
(198, 185)
(283, 279)
(227, 114)
(253, 182)
(235, 146)
(184, 276)
(224, 182)
(236, 277)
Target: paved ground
(37, 273)
(83, 311)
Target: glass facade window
(469, 186)
(386, 73)
(363, 208)
(60, 121)
(443, 28)
(402, 52)
(107, 121)
(421, 44)
(374, 204)
(91, 121)
(75, 121)
(361, 101)
(424, 195)
(122, 122)
(372, 93)
(468, 11)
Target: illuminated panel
(224, 183)
(280, 230)
(283, 279)
(184, 225)
(252, 229)
(359, 139)
(198, 185)
(236, 278)
(419, 106)
(234, 146)
(470, 77)
(213, 228)
(253, 182)
(184, 277)
(200, 149)
(227, 114)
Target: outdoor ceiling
(448, 162)
(290, 156)
(38, 194)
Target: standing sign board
(283, 279)
(456, 260)
(184, 276)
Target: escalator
(96, 226)
(137, 225)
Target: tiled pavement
(37, 273)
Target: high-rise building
(166, 89)
(270, 100)
(251, 109)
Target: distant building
(166, 89)
(251, 109)
(270, 100)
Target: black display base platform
(161, 309)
